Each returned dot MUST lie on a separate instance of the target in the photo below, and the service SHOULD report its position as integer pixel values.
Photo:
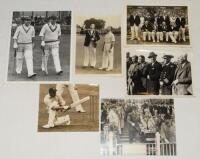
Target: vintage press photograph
(138, 127)
(98, 45)
(67, 107)
(159, 72)
(157, 25)
(40, 46)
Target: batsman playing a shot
(50, 36)
(23, 45)
(54, 104)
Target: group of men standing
(158, 26)
(156, 78)
(24, 38)
(90, 44)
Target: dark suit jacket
(184, 77)
(154, 72)
(135, 20)
(89, 36)
(183, 22)
(178, 22)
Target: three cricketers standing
(24, 43)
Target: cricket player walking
(50, 35)
(23, 45)
(108, 50)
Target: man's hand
(148, 77)
(15, 46)
(175, 82)
(42, 43)
(161, 83)
(133, 124)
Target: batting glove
(15, 46)
(42, 43)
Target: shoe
(33, 75)
(81, 111)
(108, 69)
(101, 68)
(47, 126)
(59, 73)
(84, 66)
(92, 66)
(68, 122)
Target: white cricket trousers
(53, 120)
(24, 51)
(54, 50)
(107, 60)
(89, 56)
(75, 96)
(135, 32)
(173, 36)
(182, 33)
(159, 36)
(151, 35)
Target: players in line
(24, 44)
(160, 26)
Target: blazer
(89, 36)
(183, 74)
(135, 20)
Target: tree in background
(99, 23)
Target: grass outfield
(80, 56)
(37, 60)
(88, 121)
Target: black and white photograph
(157, 25)
(159, 72)
(98, 45)
(138, 127)
(67, 107)
(40, 46)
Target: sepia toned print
(159, 72)
(157, 25)
(68, 107)
(138, 127)
(98, 45)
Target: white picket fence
(111, 147)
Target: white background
(19, 101)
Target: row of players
(158, 26)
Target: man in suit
(133, 120)
(167, 75)
(134, 21)
(182, 84)
(143, 68)
(90, 44)
(153, 74)
(134, 75)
